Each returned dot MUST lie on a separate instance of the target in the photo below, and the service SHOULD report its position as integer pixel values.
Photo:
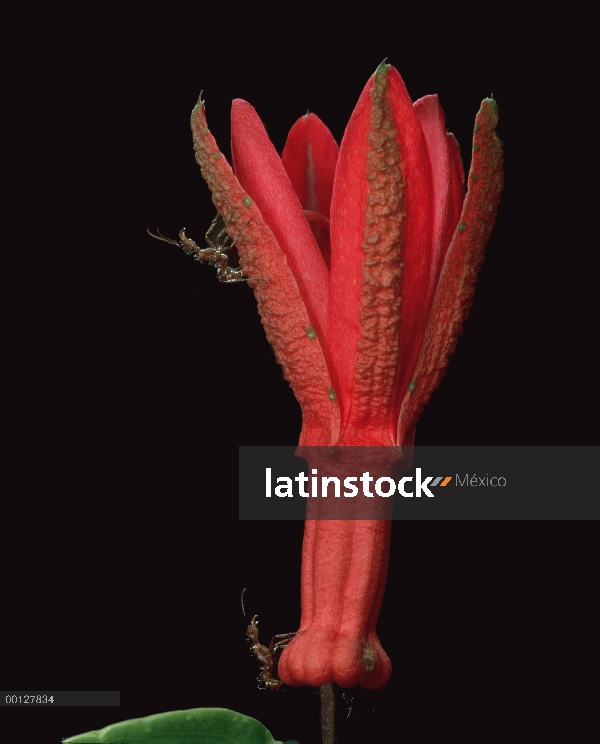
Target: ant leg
(240, 235)
(222, 246)
(227, 275)
(208, 232)
(285, 639)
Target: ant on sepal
(215, 254)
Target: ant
(215, 254)
(268, 657)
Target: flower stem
(327, 713)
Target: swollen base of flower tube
(318, 656)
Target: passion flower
(363, 263)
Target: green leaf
(194, 726)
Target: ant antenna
(160, 236)
(242, 601)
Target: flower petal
(454, 295)
(259, 169)
(309, 158)
(280, 303)
(380, 224)
(433, 122)
(319, 224)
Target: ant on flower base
(268, 657)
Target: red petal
(261, 174)
(380, 222)
(319, 224)
(309, 158)
(432, 120)
(281, 306)
(417, 252)
(348, 212)
(454, 295)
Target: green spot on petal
(475, 178)
(475, 147)
(412, 385)
(331, 394)
(310, 332)
(477, 127)
(216, 155)
(462, 226)
(206, 130)
(246, 201)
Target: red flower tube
(363, 263)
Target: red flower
(363, 264)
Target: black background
(124, 558)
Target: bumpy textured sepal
(381, 234)
(456, 287)
(287, 323)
